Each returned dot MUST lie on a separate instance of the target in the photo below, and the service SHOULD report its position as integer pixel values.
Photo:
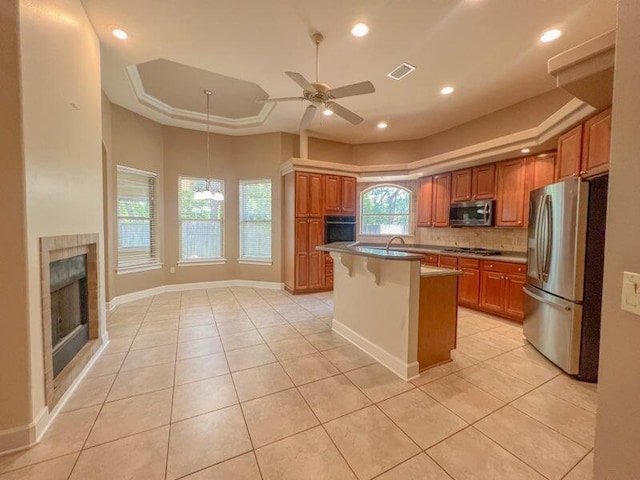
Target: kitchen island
(399, 312)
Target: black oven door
(339, 229)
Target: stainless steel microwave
(471, 214)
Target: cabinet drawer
(448, 261)
(504, 267)
(328, 260)
(468, 263)
(328, 270)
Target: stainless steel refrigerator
(564, 273)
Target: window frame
(185, 262)
(246, 259)
(153, 262)
(363, 215)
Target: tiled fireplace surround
(59, 248)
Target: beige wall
(15, 389)
(617, 455)
(521, 116)
(135, 142)
(62, 143)
(173, 152)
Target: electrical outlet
(172, 270)
(631, 292)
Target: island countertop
(354, 248)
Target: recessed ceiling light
(327, 112)
(119, 33)
(382, 125)
(550, 35)
(525, 150)
(446, 91)
(420, 174)
(359, 30)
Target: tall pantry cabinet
(308, 198)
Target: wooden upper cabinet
(348, 195)
(315, 195)
(441, 199)
(484, 182)
(510, 193)
(461, 185)
(309, 195)
(569, 154)
(424, 202)
(339, 195)
(332, 198)
(596, 142)
(540, 171)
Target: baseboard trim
(406, 371)
(26, 436)
(179, 287)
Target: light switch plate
(631, 292)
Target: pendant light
(207, 194)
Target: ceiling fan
(322, 95)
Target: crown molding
(188, 118)
(498, 148)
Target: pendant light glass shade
(207, 194)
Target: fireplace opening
(69, 309)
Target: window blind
(137, 232)
(385, 210)
(255, 220)
(201, 221)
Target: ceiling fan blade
(351, 90)
(345, 113)
(300, 80)
(307, 118)
(282, 99)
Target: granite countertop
(376, 251)
(505, 256)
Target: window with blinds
(201, 221)
(255, 220)
(137, 232)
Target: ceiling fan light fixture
(359, 30)
(382, 125)
(327, 112)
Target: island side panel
(438, 320)
(380, 318)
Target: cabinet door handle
(574, 174)
(583, 172)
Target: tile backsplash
(509, 239)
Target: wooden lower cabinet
(469, 282)
(501, 289)
(309, 262)
(491, 292)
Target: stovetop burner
(473, 251)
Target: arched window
(385, 210)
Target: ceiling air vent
(401, 71)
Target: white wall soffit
(189, 119)
(498, 148)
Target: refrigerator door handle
(548, 238)
(538, 241)
(563, 304)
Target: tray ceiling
(487, 49)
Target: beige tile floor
(246, 384)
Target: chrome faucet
(392, 239)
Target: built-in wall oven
(339, 229)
